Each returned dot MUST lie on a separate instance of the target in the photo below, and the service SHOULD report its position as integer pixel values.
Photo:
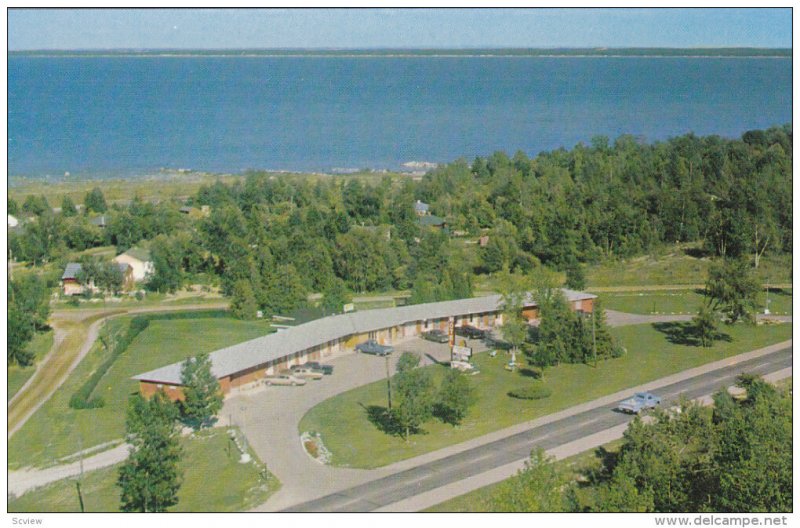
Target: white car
(306, 373)
(283, 379)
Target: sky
(396, 28)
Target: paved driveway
(270, 416)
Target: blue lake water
(132, 115)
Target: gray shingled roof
(284, 343)
(71, 271)
(73, 268)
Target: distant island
(410, 52)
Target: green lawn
(56, 430)
(214, 481)
(684, 301)
(677, 266)
(40, 345)
(480, 500)
(355, 442)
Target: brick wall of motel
(346, 345)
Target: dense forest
(273, 240)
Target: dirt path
(75, 333)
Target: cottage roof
(139, 254)
(72, 269)
(421, 207)
(302, 337)
(431, 220)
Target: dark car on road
(319, 367)
(469, 331)
(373, 347)
(436, 335)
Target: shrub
(530, 392)
(618, 351)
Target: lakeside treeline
(274, 239)
(411, 52)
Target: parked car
(436, 335)
(470, 331)
(319, 367)
(639, 402)
(304, 372)
(492, 341)
(373, 347)
(284, 378)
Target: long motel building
(243, 365)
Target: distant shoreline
(417, 53)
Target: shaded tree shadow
(530, 373)
(697, 252)
(684, 333)
(383, 419)
(436, 361)
(779, 291)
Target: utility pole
(80, 479)
(388, 382)
(594, 342)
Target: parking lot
(269, 416)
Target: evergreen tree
(36, 205)
(150, 478)
(13, 207)
(243, 302)
(203, 397)
(576, 278)
(95, 202)
(20, 332)
(705, 325)
(68, 207)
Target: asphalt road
(405, 484)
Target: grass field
(214, 481)
(40, 345)
(56, 430)
(685, 301)
(355, 442)
(677, 266)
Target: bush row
(83, 399)
(530, 392)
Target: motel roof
(271, 347)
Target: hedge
(82, 399)
(530, 392)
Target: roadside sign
(461, 353)
(451, 331)
(349, 307)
